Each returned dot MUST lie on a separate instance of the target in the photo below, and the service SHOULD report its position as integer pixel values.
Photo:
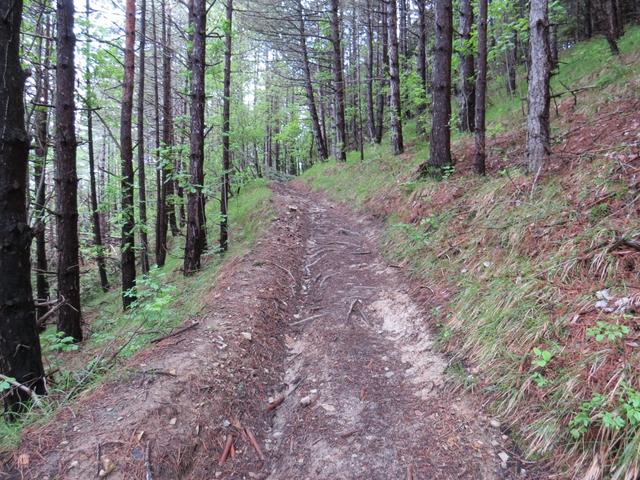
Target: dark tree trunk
(127, 248)
(142, 181)
(226, 128)
(160, 227)
(395, 108)
(20, 355)
(466, 122)
(69, 315)
(338, 82)
(481, 89)
(612, 26)
(440, 142)
(403, 40)
(538, 95)
(422, 60)
(588, 22)
(321, 145)
(384, 74)
(371, 121)
(40, 168)
(196, 232)
(93, 194)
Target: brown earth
(314, 320)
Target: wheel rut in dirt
(366, 395)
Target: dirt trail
(312, 314)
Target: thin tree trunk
(538, 95)
(160, 227)
(481, 89)
(226, 129)
(20, 355)
(440, 142)
(422, 61)
(95, 215)
(142, 181)
(196, 232)
(395, 108)
(612, 26)
(40, 167)
(466, 122)
(69, 315)
(381, 99)
(371, 121)
(338, 82)
(127, 246)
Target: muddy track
(313, 320)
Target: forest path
(368, 400)
(313, 316)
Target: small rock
(173, 421)
(107, 467)
(504, 457)
(328, 408)
(604, 295)
(246, 335)
(73, 464)
(494, 423)
(389, 374)
(601, 304)
(226, 423)
(308, 399)
(486, 264)
(293, 208)
(494, 443)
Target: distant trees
(19, 342)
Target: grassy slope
(167, 299)
(515, 273)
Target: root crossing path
(310, 359)
(368, 400)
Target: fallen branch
(34, 396)
(254, 443)
(53, 310)
(306, 319)
(147, 462)
(283, 269)
(226, 450)
(177, 332)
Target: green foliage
(607, 331)
(542, 357)
(53, 341)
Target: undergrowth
(165, 300)
(534, 289)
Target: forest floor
(311, 359)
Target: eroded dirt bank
(316, 322)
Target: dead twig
(293, 324)
(34, 396)
(177, 332)
(283, 269)
(147, 462)
(254, 443)
(225, 452)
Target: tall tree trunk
(161, 217)
(226, 129)
(371, 121)
(69, 315)
(440, 143)
(142, 180)
(338, 82)
(127, 247)
(381, 99)
(40, 166)
(20, 355)
(403, 46)
(612, 26)
(395, 108)
(321, 145)
(196, 232)
(93, 194)
(538, 95)
(481, 89)
(466, 122)
(422, 60)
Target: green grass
(515, 277)
(166, 299)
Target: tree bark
(481, 89)
(538, 94)
(69, 315)
(383, 74)
(440, 142)
(127, 246)
(371, 121)
(395, 108)
(466, 122)
(20, 355)
(196, 232)
(612, 26)
(338, 82)
(422, 61)
(226, 113)
(40, 166)
(142, 180)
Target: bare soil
(314, 321)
